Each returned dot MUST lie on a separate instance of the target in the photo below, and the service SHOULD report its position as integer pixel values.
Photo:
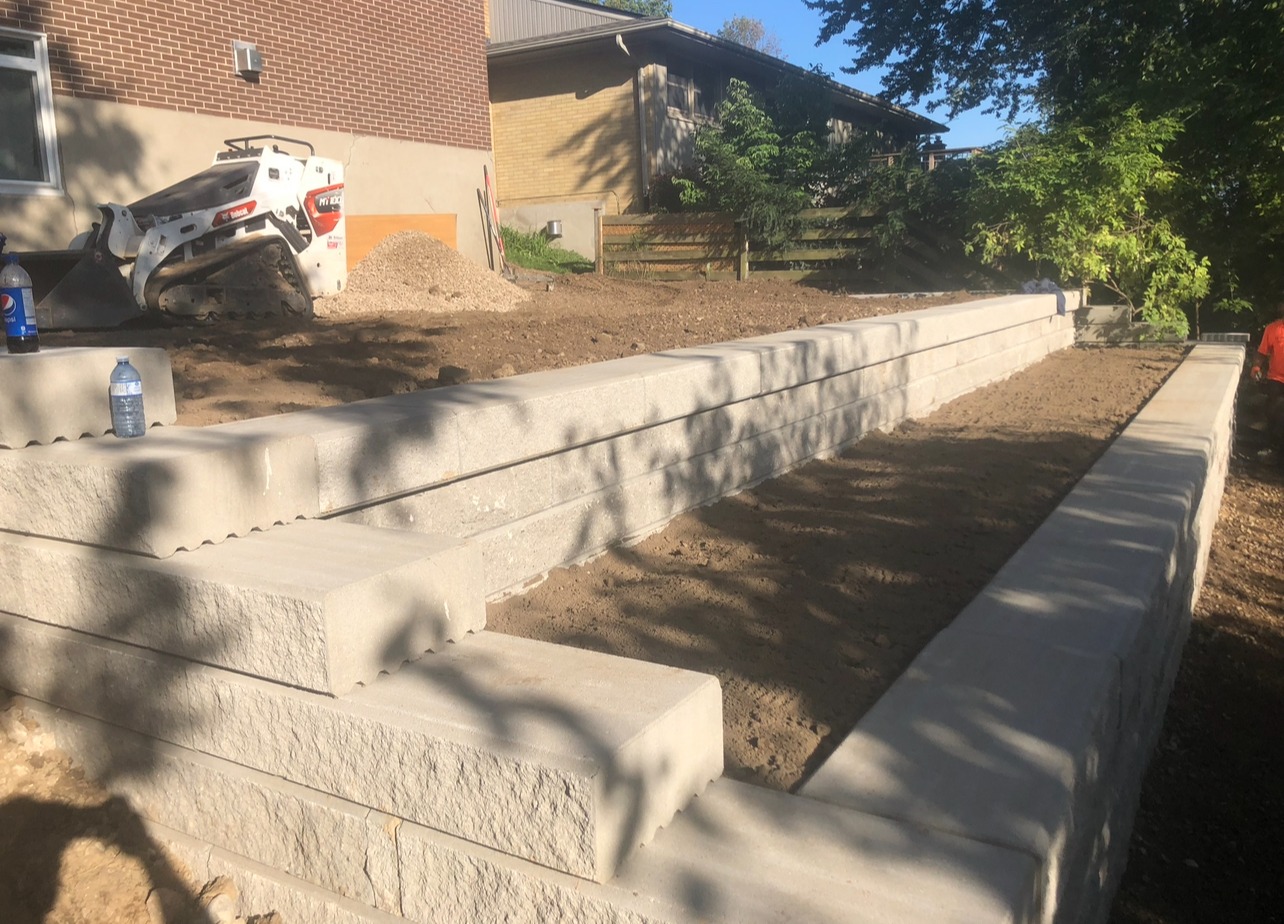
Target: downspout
(639, 100)
(645, 159)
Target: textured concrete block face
(61, 392)
(580, 756)
(318, 605)
(994, 739)
(326, 841)
(175, 488)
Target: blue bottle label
(19, 312)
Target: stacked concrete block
(735, 854)
(185, 487)
(60, 393)
(753, 409)
(319, 605)
(236, 692)
(567, 758)
(1028, 723)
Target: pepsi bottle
(18, 307)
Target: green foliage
(745, 169)
(750, 32)
(533, 250)
(1213, 65)
(1080, 198)
(657, 8)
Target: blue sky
(796, 27)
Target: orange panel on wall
(365, 231)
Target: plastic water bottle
(126, 390)
(19, 308)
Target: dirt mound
(412, 271)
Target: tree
(745, 30)
(1212, 65)
(1080, 197)
(656, 8)
(743, 168)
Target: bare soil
(806, 596)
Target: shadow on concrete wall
(1015, 487)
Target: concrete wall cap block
(173, 489)
(979, 722)
(568, 758)
(319, 605)
(61, 392)
(740, 853)
(369, 449)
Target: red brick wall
(406, 69)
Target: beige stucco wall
(567, 131)
(114, 152)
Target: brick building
(109, 100)
(589, 104)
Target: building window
(28, 152)
(693, 92)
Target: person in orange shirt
(1268, 372)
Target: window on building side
(693, 92)
(28, 153)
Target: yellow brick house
(588, 104)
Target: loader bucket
(92, 294)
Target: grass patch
(532, 250)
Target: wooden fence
(835, 245)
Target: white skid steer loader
(258, 233)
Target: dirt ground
(806, 596)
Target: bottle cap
(11, 258)
(122, 359)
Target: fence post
(743, 273)
(599, 259)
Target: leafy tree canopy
(1213, 67)
(745, 30)
(658, 8)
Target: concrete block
(567, 758)
(263, 888)
(680, 383)
(507, 420)
(173, 489)
(338, 845)
(744, 854)
(995, 739)
(318, 605)
(61, 392)
(368, 449)
(1098, 315)
(797, 356)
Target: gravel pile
(412, 271)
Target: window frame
(46, 129)
(699, 81)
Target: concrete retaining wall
(503, 779)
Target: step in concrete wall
(1028, 723)
(60, 393)
(320, 605)
(180, 488)
(567, 758)
(736, 854)
(1060, 670)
